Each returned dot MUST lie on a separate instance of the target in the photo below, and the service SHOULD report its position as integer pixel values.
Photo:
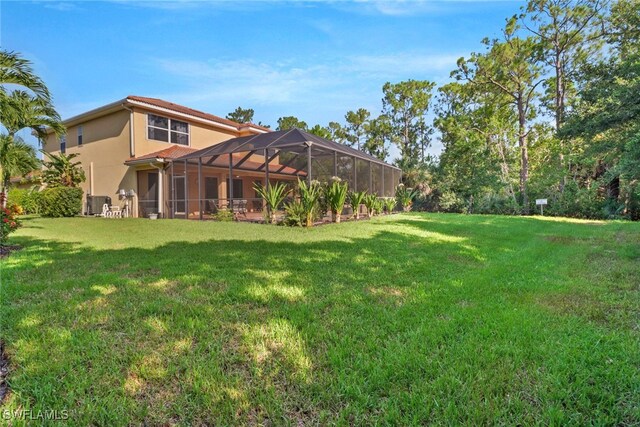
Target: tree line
(549, 109)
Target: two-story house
(124, 147)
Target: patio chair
(210, 207)
(239, 207)
(106, 212)
(116, 212)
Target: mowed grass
(408, 319)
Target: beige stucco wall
(200, 135)
(104, 149)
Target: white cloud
(286, 82)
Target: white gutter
(132, 148)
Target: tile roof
(172, 152)
(30, 177)
(190, 111)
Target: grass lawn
(409, 319)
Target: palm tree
(21, 110)
(62, 171)
(17, 70)
(16, 158)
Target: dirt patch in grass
(563, 240)
(6, 250)
(617, 313)
(388, 295)
(4, 372)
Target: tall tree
(476, 132)
(511, 67)
(17, 158)
(241, 115)
(17, 71)
(608, 115)
(290, 122)
(406, 105)
(21, 110)
(378, 137)
(320, 131)
(568, 31)
(356, 126)
(337, 132)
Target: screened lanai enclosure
(223, 176)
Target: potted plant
(336, 195)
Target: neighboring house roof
(28, 178)
(177, 151)
(163, 106)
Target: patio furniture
(210, 207)
(116, 212)
(106, 212)
(239, 207)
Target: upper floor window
(79, 136)
(63, 144)
(167, 130)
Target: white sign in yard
(541, 203)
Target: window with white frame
(167, 130)
(79, 136)
(63, 144)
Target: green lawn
(409, 319)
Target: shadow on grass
(378, 329)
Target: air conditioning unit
(95, 203)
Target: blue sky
(315, 60)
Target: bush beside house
(61, 201)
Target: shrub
(498, 204)
(451, 202)
(405, 197)
(224, 215)
(336, 196)
(309, 196)
(61, 201)
(356, 198)
(273, 195)
(370, 202)
(389, 205)
(28, 199)
(8, 224)
(295, 213)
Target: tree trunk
(4, 195)
(559, 104)
(524, 156)
(504, 168)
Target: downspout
(132, 151)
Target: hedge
(61, 201)
(29, 200)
